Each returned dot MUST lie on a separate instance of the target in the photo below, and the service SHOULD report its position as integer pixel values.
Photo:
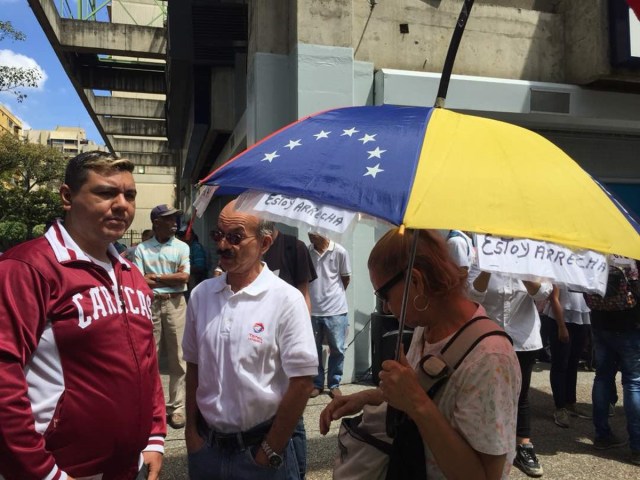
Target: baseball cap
(163, 211)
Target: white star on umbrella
(322, 134)
(293, 144)
(270, 156)
(368, 138)
(349, 132)
(376, 153)
(373, 171)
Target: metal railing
(97, 11)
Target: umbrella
(430, 168)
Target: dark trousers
(565, 358)
(526, 360)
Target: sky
(55, 101)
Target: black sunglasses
(383, 291)
(232, 238)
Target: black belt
(239, 440)
(167, 296)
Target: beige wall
(563, 41)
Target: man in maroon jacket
(80, 393)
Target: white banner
(205, 194)
(536, 260)
(281, 208)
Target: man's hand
(261, 457)
(154, 461)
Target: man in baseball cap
(164, 211)
(164, 261)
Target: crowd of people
(82, 322)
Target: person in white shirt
(250, 355)
(329, 309)
(511, 302)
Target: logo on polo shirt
(257, 328)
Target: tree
(30, 175)
(12, 78)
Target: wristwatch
(275, 460)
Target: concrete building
(115, 58)
(9, 123)
(69, 140)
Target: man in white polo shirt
(250, 356)
(329, 309)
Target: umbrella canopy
(434, 168)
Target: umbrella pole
(396, 417)
(451, 53)
(405, 292)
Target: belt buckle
(229, 442)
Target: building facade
(9, 123)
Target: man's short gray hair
(265, 227)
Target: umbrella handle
(394, 418)
(452, 52)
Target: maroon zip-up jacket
(80, 392)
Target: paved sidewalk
(564, 453)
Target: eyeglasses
(232, 238)
(383, 291)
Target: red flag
(635, 6)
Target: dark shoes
(527, 461)
(333, 392)
(315, 392)
(610, 441)
(576, 411)
(561, 418)
(176, 420)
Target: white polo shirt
(247, 345)
(327, 292)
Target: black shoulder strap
(455, 351)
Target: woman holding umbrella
(469, 429)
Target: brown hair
(101, 162)
(442, 276)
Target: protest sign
(282, 208)
(536, 260)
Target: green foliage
(12, 78)
(30, 175)
(12, 233)
(7, 30)
(38, 230)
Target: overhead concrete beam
(112, 38)
(149, 159)
(134, 126)
(122, 79)
(129, 107)
(125, 145)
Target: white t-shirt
(508, 303)
(247, 345)
(575, 309)
(460, 248)
(327, 292)
(480, 399)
